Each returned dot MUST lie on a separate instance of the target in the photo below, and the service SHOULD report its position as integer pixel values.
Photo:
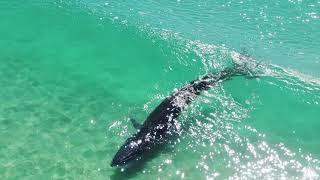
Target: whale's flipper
(135, 123)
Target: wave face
(72, 73)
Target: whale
(162, 123)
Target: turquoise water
(72, 73)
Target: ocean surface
(72, 73)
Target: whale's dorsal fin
(135, 124)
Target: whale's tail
(242, 67)
(246, 70)
(245, 65)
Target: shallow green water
(73, 72)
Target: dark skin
(162, 122)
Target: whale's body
(162, 122)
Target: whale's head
(128, 152)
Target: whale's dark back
(162, 121)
